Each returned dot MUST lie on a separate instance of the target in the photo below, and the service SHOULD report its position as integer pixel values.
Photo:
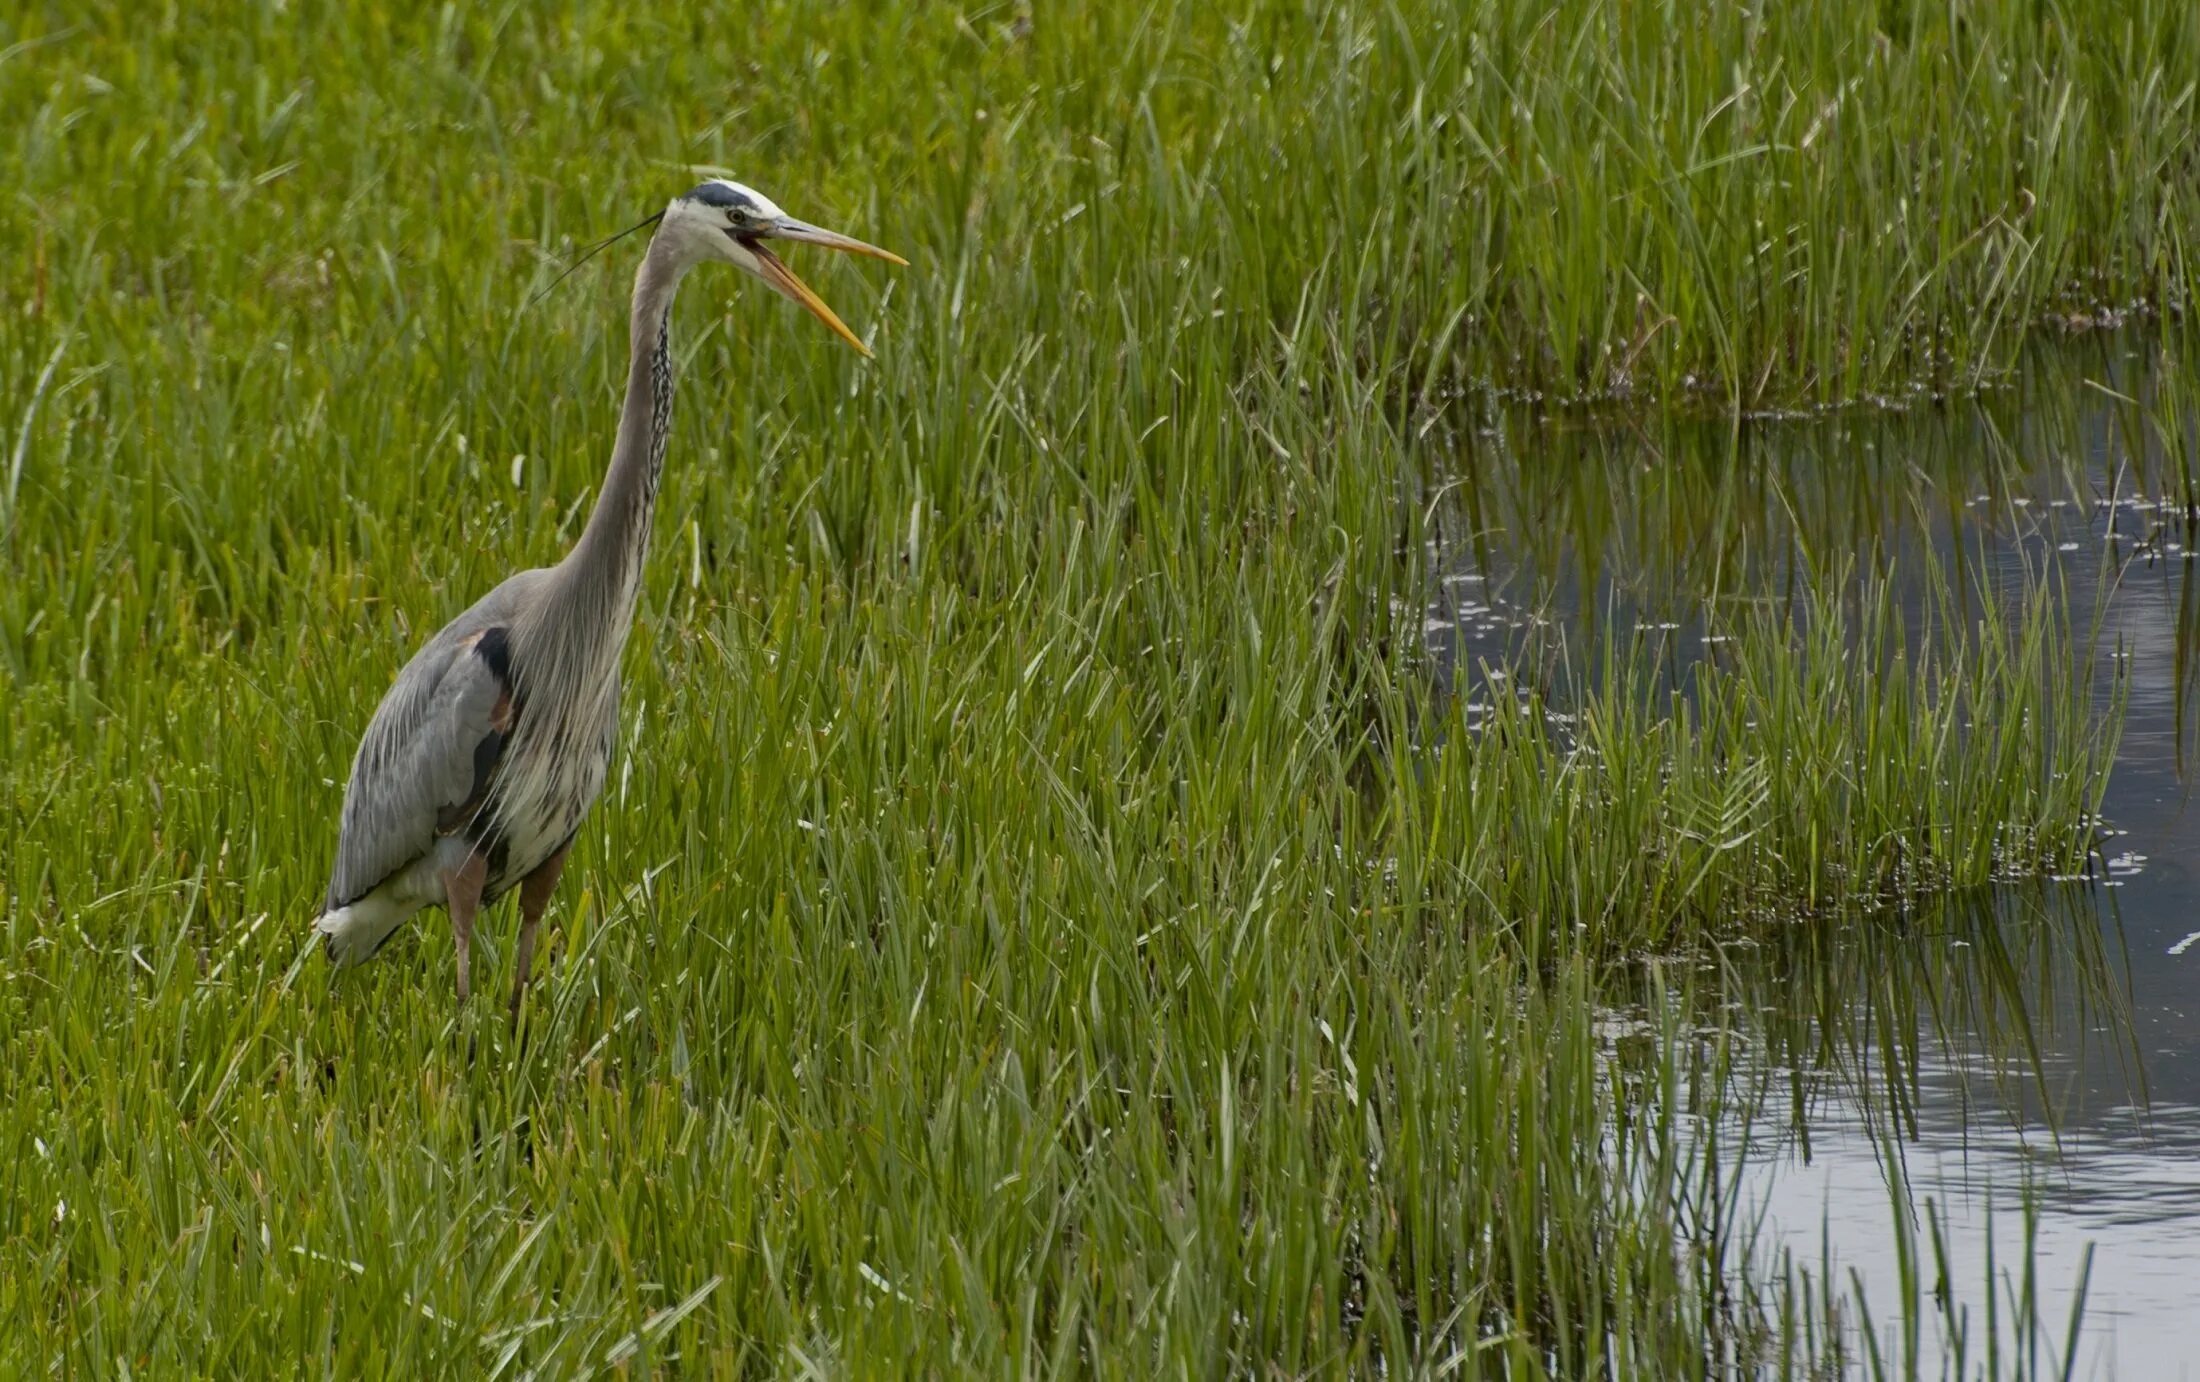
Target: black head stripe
(725, 197)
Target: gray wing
(432, 749)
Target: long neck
(604, 568)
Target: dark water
(2007, 1096)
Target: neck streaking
(601, 578)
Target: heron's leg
(534, 898)
(462, 898)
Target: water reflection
(1938, 1090)
(2020, 1062)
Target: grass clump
(1806, 759)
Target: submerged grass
(1044, 920)
(1908, 1050)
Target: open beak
(779, 276)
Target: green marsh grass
(1044, 920)
(1085, 1053)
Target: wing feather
(428, 757)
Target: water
(2044, 1037)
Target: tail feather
(350, 935)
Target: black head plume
(592, 251)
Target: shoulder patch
(494, 646)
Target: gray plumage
(422, 758)
(486, 754)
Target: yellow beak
(774, 270)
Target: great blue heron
(481, 761)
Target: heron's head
(726, 221)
